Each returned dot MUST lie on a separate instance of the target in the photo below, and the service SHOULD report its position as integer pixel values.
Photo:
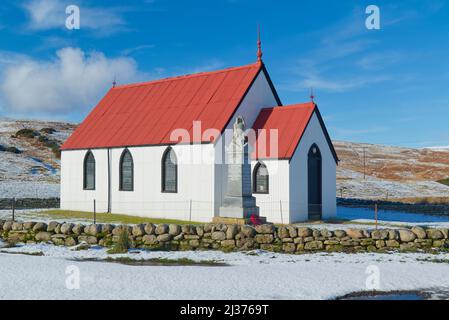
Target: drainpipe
(109, 180)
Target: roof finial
(114, 83)
(259, 47)
(312, 96)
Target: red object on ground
(146, 113)
(254, 220)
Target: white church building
(157, 149)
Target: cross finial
(312, 96)
(259, 45)
(114, 83)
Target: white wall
(298, 174)
(195, 183)
(275, 205)
(73, 197)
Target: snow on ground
(260, 275)
(28, 189)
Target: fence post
(13, 209)
(95, 212)
(190, 211)
(375, 213)
(280, 207)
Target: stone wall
(288, 239)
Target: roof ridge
(186, 76)
(291, 106)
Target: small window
(169, 171)
(126, 171)
(89, 171)
(261, 179)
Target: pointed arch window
(260, 179)
(126, 171)
(89, 171)
(169, 171)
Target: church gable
(289, 123)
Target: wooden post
(95, 212)
(280, 207)
(13, 209)
(190, 211)
(364, 163)
(375, 213)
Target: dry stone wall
(287, 239)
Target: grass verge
(106, 217)
(157, 262)
(36, 253)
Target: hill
(391, 172)
(29, 157)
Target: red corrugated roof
(146, 113)
(290, 123)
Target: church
(162, 149)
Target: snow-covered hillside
(391, 172)
(28, 166)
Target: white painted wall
(298, 174)
(73, 197)
(275, 205)
(195, 183)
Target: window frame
(85, 187)
(255, 171)
(163, 171)
(126, 151)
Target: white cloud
(51, 14)
(71, 82)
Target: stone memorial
(238, 202)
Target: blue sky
(388, 86)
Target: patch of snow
(29, 189)
(262, 275)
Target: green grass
(445, 261)
(37, 253)
(156, 261)
(106, 217)
(444, 181)
(122, 245)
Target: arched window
(89, 171)
(260, 179)
(169, 171)
(126, 171)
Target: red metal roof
(146, 113)
(290, 123)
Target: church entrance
(314, 183)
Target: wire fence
(275, 211)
